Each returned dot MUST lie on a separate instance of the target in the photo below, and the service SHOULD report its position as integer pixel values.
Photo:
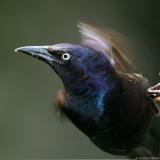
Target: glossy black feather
(102, 96)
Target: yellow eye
(66, 56)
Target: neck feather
(88, 99)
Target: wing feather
(108, 42)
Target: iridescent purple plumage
(102, 96)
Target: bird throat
(87, 101)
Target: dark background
(28, 87)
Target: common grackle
(102, 96)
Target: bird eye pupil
(65, 56)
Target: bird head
(95, 61)
(73, 63)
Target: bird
(103, 96)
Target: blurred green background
(28, 87)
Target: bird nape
(102, 96)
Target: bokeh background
(28, 87)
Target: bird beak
(39, 52)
